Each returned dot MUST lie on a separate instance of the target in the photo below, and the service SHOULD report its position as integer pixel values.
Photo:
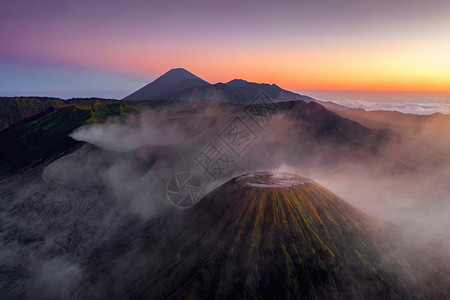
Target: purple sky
(109, 45)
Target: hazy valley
(293, 198)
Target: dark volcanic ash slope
(261, 235)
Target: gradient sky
(110, 45)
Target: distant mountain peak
(180, 84)
(180, 71)
(167, 86)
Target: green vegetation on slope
(245, 241)
(278, 242)
(15, 109)
(45, 136)
(100, 111)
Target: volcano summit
(260, 235)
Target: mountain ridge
(180, 84)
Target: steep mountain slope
(45, 136)
(327, 124)
(260, 235)
(167, 86)
(13, 110)
(36, 139)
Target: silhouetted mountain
(274, 91)
(179, 84)
(240, 91)
(168, 86)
